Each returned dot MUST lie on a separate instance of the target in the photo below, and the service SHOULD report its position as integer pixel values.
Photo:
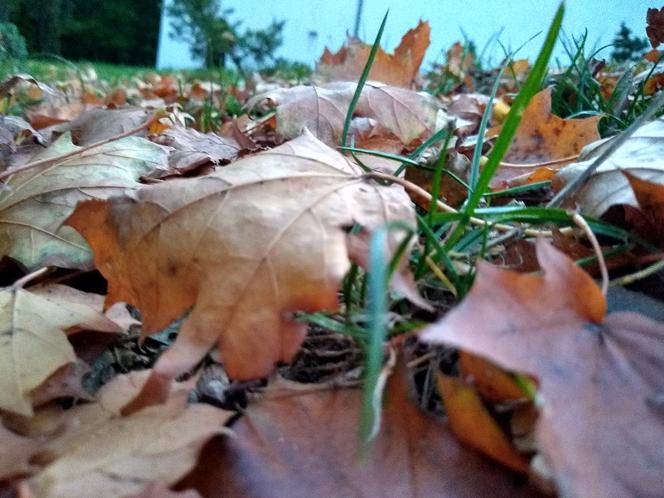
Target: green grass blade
(530, 87)
(362, 81)
(378, 274)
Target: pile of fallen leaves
(157, 272)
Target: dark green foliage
(215, 39)
(627, 47)
(12, 44)
(118, 31)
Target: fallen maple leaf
(543, 137)
(398, 69)
(641, 155)
(245, 246)
(601, 379)
(322, 109)
(301, 442)
(35, 202)
(34, 344)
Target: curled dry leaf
(398, 69)
(322, 109)
(35, 202)
(245, 246)
(601, 379)
(471, 422)
(194, 149)
(298, 443)
(543, 137)
(642, 155)
(34, 344)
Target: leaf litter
(259, 252)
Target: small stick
(416, 189)
(505, 164)
(583, 225)
(20, 283)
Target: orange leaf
(471, 423)
(543, 137)
(492, 382)
(398, 69)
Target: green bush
(12, 43)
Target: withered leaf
(641, 155)
(92, 451)
(655, 26)
(33, 344)
(398, 69)
(600, 428)
(542, 137)
(194, 149)
(245, 246)
(322, 109)
(300, 443)
(35, 202)
(470, 421)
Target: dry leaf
(649, 217)
(94, 452)
(543, 137)
(34, 344)
(493, 383)
(471, 422)
(100, 124)
(601, 379)
(641, 155)
(245, 246)
(294, 443)
(322, 109)
(16, 454)
(398, 69)
(655, 26)
(36, 201)
(194, 149)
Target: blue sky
(313, 24)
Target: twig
(583, 225)
(504, 164)
(633, 277)
(416, 189)
(77, 152)
(20, 283)
(617, 142)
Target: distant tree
(119, 31)
(214, 39)
(627, 47)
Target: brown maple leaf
(245, 246)
(398, 69)
(601, 378)
(541, 138)
(655, 26)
